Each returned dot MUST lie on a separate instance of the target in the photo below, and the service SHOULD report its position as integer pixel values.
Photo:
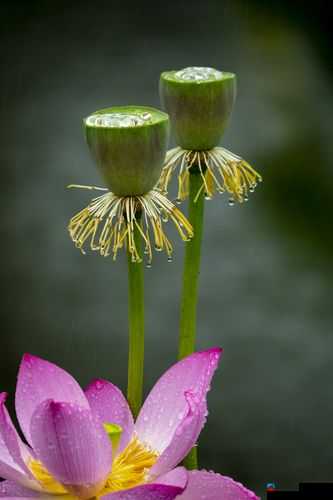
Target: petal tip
(97, 383)
(212, 355)
(28, 361)
(28, 358)
(57, 407)
(3, 397)
(214, 350)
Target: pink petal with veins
(109, 404)
(175, 411)
(39, 380)
(72, 444)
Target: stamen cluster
(220, 170)
(109, 222)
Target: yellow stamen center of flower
(130, 468)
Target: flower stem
(136, 328)
(188, 312)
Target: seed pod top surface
(128, 144)
(199, 102)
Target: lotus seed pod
(128, 144)
(199, 102)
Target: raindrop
(231, 202)
(207, 197)
(169, 258)
(178, 201)
(148, 265)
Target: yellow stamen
(130, 467)
(220, 171)
(108, 222)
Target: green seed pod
(128, 144)
(199, 102)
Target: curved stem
(189, 300)
(136, 328)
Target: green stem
(188, 312)
(136, 328)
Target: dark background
(266, 282)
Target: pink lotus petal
(13, 453)
(10, 489)
(109, 404)
(211, 486)
(11, 439)
(166, 487)
(146, 492)
(166, 409)
(39, 380)
(176, 477)
(10, 472)
(72, 445)
(185, 436)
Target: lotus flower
(85, 444)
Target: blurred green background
(267, 274)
